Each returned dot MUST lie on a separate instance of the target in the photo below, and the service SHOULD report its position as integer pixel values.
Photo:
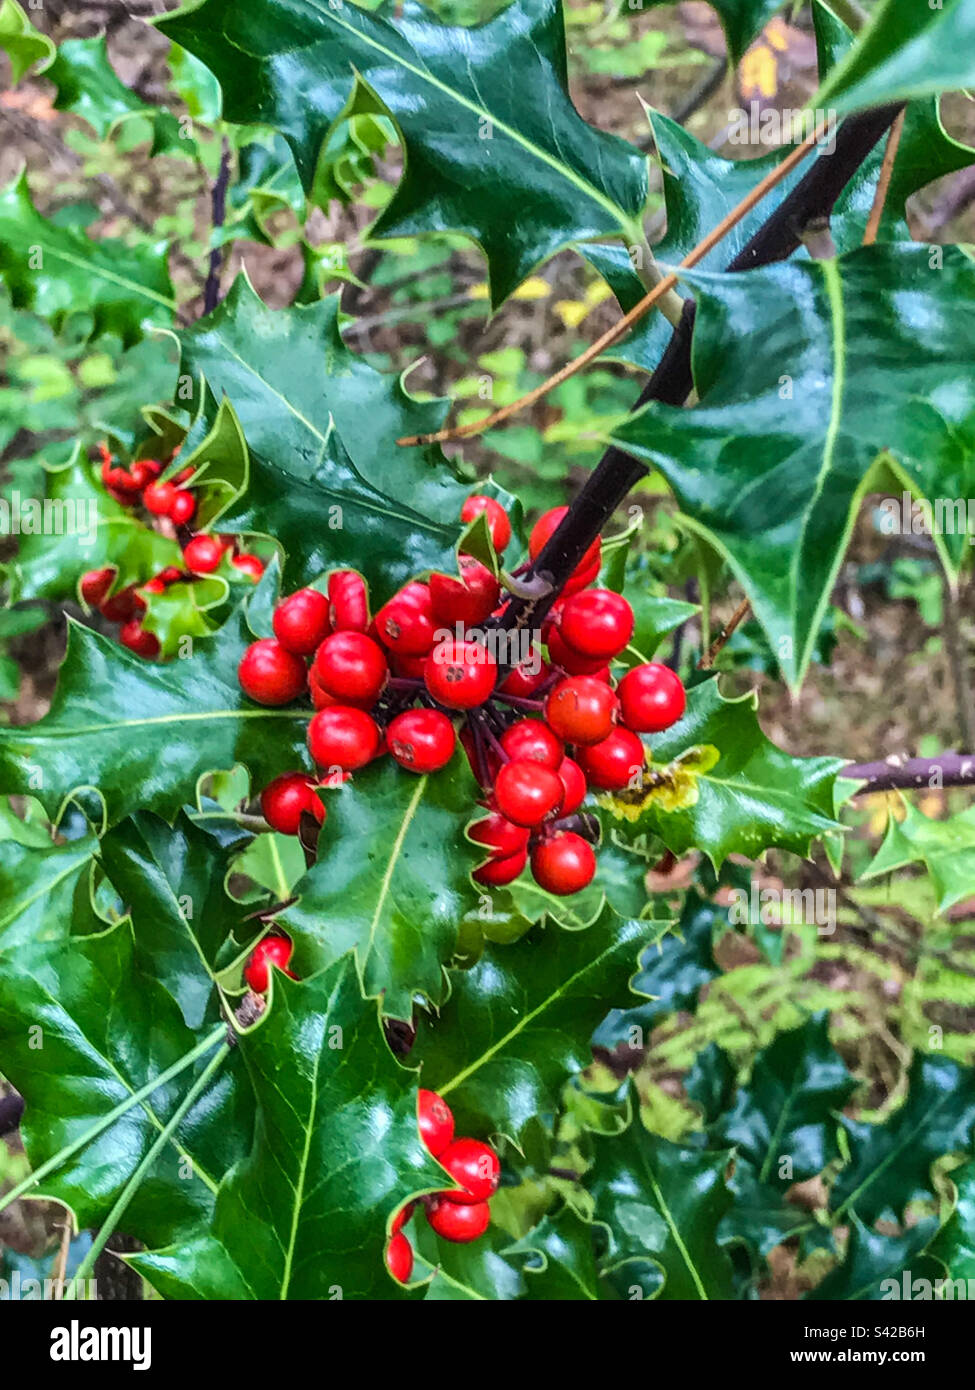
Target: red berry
(343, 737)
(564, 864)
(300, 621)
(320, 697)
(399, 1258)
(95, 585)
(285, 799)
(475, 1166)
(170, 574)
(351, 667)
(499, 834)
(497, 872)
(125, 604)
(582, 710)
(183, 507)
(528, 793)
(405, 624)
(134, 636)
(543, 529)
(458, 1223)
(651, 697)
(158, 498)
(348, 601)
(580, 578)
(460, 675)
(529, 740)
(561, 654)
(143, 471)
(467, 600)
(525, 678)
(203, 554)
(615, 762)
(411, 666)
(574, 782)
(271, 675)
(251, 565)
(421, 740)
(497, 518)
(597, 623)
(272, 950)
(401, 1218)
(436, 1122)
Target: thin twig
(736, 619)
(211, 291)
(912, 774)
(639, 310)
(883, 183)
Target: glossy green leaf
(672, 973)
(714, 782)
(82, 1030)
(945, 847)
(890, 1163)
(856, 362)
(336, 1152)
(23, 44)
(561, 1264)
(392, 880)
(144, 733)
(57, 271)
(661, 1204)
(521, 178)
(955, 1243)
(518, 1023)
(326, 478)
(45, 892)
(906, 50)
(171, 879)
(874, 1264)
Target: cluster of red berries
(457, 1215)
(202, 553)
(398, 682)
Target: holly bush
(326, 971)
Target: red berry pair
(458, 1214)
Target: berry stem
(480, 719)
(519, 701)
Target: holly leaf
(714, 782)
(45, 892)
(336, 1151)
(890, 1163)
(561, 1260)
(468, 1273)
(955, 1243)
(59, 271)
(87, 530)
(905, 51)
(326, 477)
(23, 44)
(783, 1125)
(519, 1021)
(82, 1032)
(701, 187)
(139, 735)
(873, 370)
(171, 879)
(392, 880)
(522, 179)
(946, 848)
(661, 1205)
(673, 971)
(873, 1262)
